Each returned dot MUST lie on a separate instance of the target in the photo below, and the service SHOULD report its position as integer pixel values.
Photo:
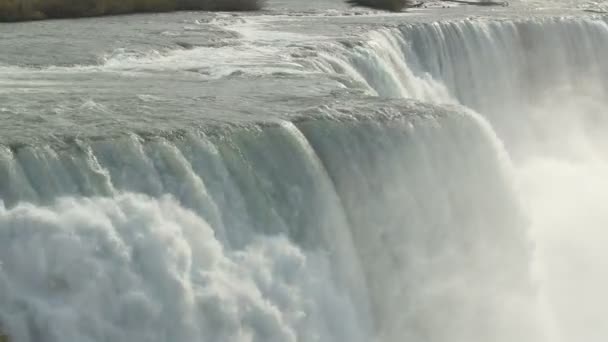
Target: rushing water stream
(305, 175)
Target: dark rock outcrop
(19, 10)
(387, 5)
(479, 3)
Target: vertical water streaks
(375, 210)
(270, 217)
(542, 84)
(357, 225)
(513, 72)
(435, 223)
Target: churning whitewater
(305, 174)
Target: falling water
(458, 198)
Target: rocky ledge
(21, 10)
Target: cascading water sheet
(542, 85)
(304, 175)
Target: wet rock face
(388, 5)
(18, 10)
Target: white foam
(133, 268)
(541, 84)
(419, 209)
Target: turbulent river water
(307, 173)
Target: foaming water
(552, 111)
(402, 221)
(322, 229)
(542, 86)
(134, 268)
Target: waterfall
(541, 83)
(459, 199)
